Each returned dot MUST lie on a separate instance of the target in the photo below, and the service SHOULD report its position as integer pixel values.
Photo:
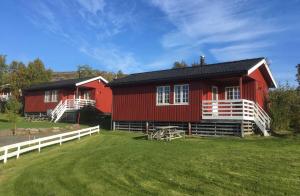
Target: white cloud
(113, 58)
(92, 6)
(214, 22)
(245, 50)
(88, 26)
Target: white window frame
(47, 97)
(163, 95)
(217, 93)
(180, 86)
(51, 96)
(87, 95)
(234, 89)
(54, 96)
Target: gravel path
(6, 140)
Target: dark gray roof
(205, 71)
(56, 84)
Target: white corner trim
(92, 79)
(260, 63)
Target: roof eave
(206, 76)
(260, 63)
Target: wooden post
(5, 155)
(114, 125)
(77, 93)
(60, 142)
(190, 128)
(241, 87)
(39, 146)
(147, 127)
(78, 118)
(18, 152)
(242, 130)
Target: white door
(214, 99)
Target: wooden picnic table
(165, 132)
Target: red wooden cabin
(227, 98)
(64, 98)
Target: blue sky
(135, 36)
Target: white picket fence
(14, 150)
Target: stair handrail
(56, 109)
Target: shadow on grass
(3, 120)
(143, 137)
(285, 134)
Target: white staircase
(262, 120)
(241, 109)
(69, 105)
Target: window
(47, 96)
(51, 96)
(181, 94)
(163, 95)
(214, 91)
(233, 92)
(54, 96)
(86, 95)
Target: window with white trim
(87, 95)
(54, 96)
(181, 94)
(232, 92)
(51, 96)
(47, 96)
(163, 95)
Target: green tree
(298, 75)
(120, 74)
(13, 107)
(37, 73)
(85, 71)
(285, 108)
(178, 64)
(3, 69)
(18, 78)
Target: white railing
(69, 104)
(4, 97)
(241, 109)
(14, 150)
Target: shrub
(285, 108)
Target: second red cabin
(56, 99)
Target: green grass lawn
(22, 123)
(120, 163)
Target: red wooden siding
(138, 103)
(102, 94)
(34, 101)
(261, 86)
